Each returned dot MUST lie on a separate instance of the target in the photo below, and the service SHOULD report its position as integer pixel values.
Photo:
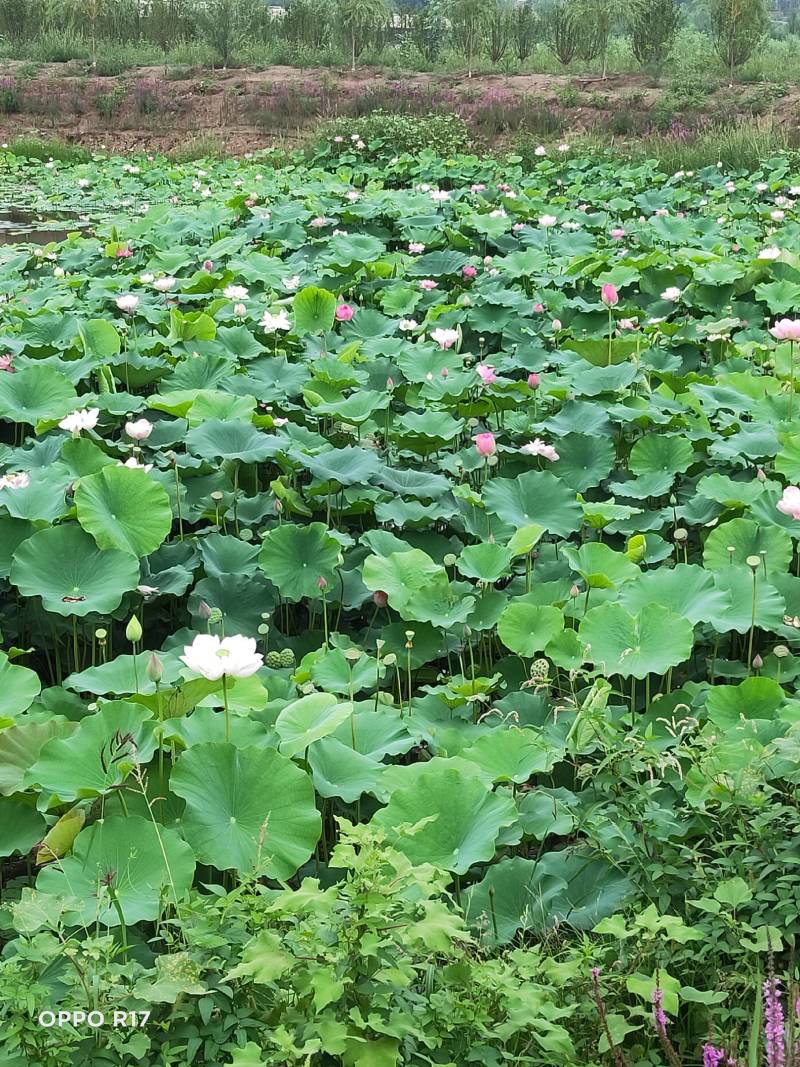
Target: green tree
(226, 24)
(526, 24)
(362, 23)
(20, 19)
(500, 27)
(597, 19)
(427, 28)
(308, 22)
(738, 30)
(468, 21)
(653, 26)
(168, 21)
(563, 30)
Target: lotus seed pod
(753, 561)
(781, 651)
(681, 534)
(215, 617)
(287, 658)
(273, 660)
(450, 560)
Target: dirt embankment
(160, 109)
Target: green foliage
(738, 29)
(653, 26)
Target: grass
(36, 148)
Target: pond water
(22, 224)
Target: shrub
(385, 135)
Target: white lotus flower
(15, 481)
(164, 285)
(134, 464)
(139, 430)
(672, 293)
(270, 323)
(291, 283)
(235, 292)
(545, 221)
(235, 657)
(128, 303)
(444, 338)
(85, 419)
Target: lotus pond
(400, 614)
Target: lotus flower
(212, 657)
(485, 444)
(786, 330)
(139, 430)
(85, 419)
(537, 447)
(444, 338)
(128, 303)
(609, 295)
(345, 312)
(789, 503)
(486, 373)
(270, 323)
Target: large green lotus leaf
(246, 808)
(461, 819)
(341, 771)
(223, 555)
(657, 453)
(21, 827)
(649, 642)
(730, 492)
(736, 583)
(308, 719)
(122, 675)
(527, 628)
(12, 533)
(747, 538)
(600, 566)
(20, 747)
(513, 754)
(124, 508)
(560, 887)
(64, 566)
(43, 499)
(514, 895)
(230, 439)
(314, 310)
(19, 686)
(487, 562)
(376, 736)
(207, 724)
(536, 496)
(346, 466)
(401, 574)
(294, 558)
(333, 672)
(98, 756)
(583, 461)
(685, 589)
(242, 598)
(754, 698)
(146, 866)
(543, 812)
(35, 394)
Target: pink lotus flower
(789, 503)
(786, 330)
(416, 248)
(345, 312)
(537, 447)
(486, 373)
(628, 324)
(124, 253)
(538, 309)
(485, 444)
(468, 271)
(533, 380)
(6, 363)
(609, 295)
(208, 266)
(428, 284)
(15, 481)
(618, 233)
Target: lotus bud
(203, 610)
(133, 631)
(322, 583)
(758, 662)
(761, 475)
(533, 380)
(380, 599)
(155, 668)
(575, 591)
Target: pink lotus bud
(556, 324)
(538, 309)
(609, 295)
(758, 662)
(485, 444)
(390, 384)
(345, 312)
(533, 380)
(469, 271)
(208, 266)
(380, 599)
(322, 583)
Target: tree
(597, 19)
(525, 26)
(227, 24)
(468, 22)
(653, 26)
(167, 21)
(427, 27)
(362, 22)
(499, 25)
(738, 29)
(20, 19)
(563, 30)
(308, 22)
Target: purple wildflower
(658, 1010)
(712, 1057)
(774, 1023)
